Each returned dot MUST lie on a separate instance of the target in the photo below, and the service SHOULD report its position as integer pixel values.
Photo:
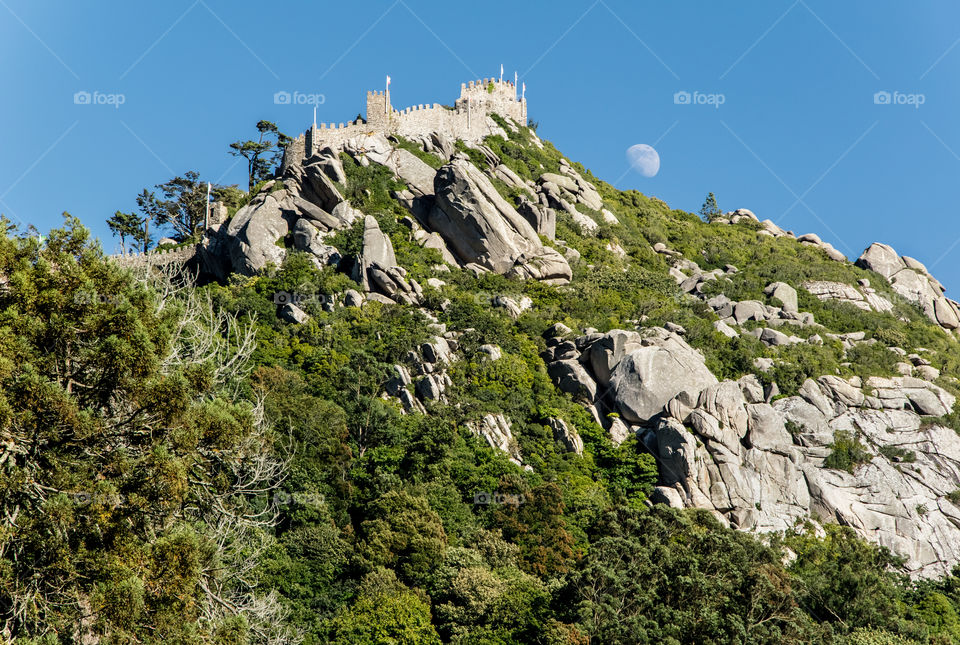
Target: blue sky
(798, 138)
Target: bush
(847, 452)
(894, 453)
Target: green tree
(538, 527)
(263, 154)
(479, 598)
(709, 210)
(182, 207)
(405, 533)
(385, 611)
(664, 576)
(126, 510)
(124, 225)
(846, 580)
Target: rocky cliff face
(759, 460)
(455, 210)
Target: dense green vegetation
(168, 482)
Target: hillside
(435, 382)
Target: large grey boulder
(361, 146)
(648, 377)
(345, 214)
(306, 237)
(377, 252)
(318, 188)
(910, 279)
(570, 377)
(784, 293)
(329, 162)
(569, 184)
(414, 172)
(442, 145)
(724, 401)
(291, 313)
(254, 231)
(481, 228)
(749, 310)
(607, 352)
(765, 427)
(946, 313)
(882, 259)
(316, 215)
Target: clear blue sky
(798, 138)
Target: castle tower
(312, 142)
(379, 109)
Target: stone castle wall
(180, 255)
(468, 119)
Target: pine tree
(262, 154)
(709, 210)
(124, 225)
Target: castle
(467, 119)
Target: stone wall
(180, 255)
(468, 119)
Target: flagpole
(206, 218)
(386, 95)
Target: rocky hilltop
(775, 382)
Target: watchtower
(379, 109)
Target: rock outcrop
(648, 377)
(254, 231)
(910, 279)
(495, 429)
(761, 467)
(863, 297)
(484, 230)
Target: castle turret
(379, 109)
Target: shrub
(847, 452)
(894, 453)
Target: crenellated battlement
(161, 257)
(468, 119)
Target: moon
(644, 159)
